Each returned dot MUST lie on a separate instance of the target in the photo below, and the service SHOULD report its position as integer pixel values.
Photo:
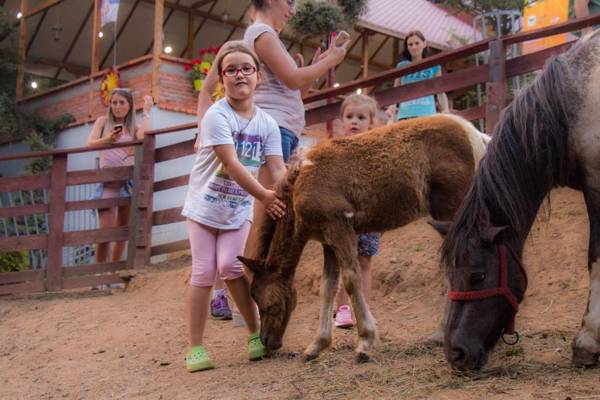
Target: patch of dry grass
(419, 370)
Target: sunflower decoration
(110, 81)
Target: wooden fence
(321, 107)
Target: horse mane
(527, 157)
(284, 190)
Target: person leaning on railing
(118, 126)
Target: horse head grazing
(275, 297)
(533, 149)
(272, 286)
(487, 283)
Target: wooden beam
(396, 52)
(22, 51)
(365, 53)
(75, 38)
(377, 50)
(240, 19)
(243, 25)
(390, 75)
(121, 29)
(42, 7)
(190, 36)
(496, 88)
(159, 9)
(76, 69)
(163, 27)
(204, 19)
(56, 217)
(37, 29)
(95, 65)
(200, 3)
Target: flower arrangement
(199, 67)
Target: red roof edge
(464, 16)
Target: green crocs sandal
(197, 360)
(256, 350)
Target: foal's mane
(526, 158)
(284, 190)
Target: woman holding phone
(283, 81)
(118, 126)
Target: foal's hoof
(362, 358)
(583, 358)
(309, 357)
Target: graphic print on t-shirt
(423, 105)
(223, 189)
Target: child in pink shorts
(236, 139)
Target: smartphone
(118, 128)
(341, 38)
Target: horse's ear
(493, 234)
(441, 226)
(255, 266)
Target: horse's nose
(274, 343)
(457, 355)
(271, 342)
(463, 358)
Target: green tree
(38, 132)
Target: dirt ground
(130, 344)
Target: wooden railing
(143, 217)
(494, 75)
(56, 277)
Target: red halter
(502, 290)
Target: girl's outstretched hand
(273, 205)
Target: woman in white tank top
(118, 126)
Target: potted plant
(199, 67)
(319, 18)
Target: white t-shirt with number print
(213, 197)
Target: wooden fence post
(133, 210)
(496, 88)
(141, 235)
(56, 220)
(22, 49)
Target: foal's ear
(255, 266)
(441, 226)
(493, 234)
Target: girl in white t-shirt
(236, 139)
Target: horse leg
(329, 284)
(586, 345)
(365, 323)
(345, 248)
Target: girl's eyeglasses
(246, 70)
